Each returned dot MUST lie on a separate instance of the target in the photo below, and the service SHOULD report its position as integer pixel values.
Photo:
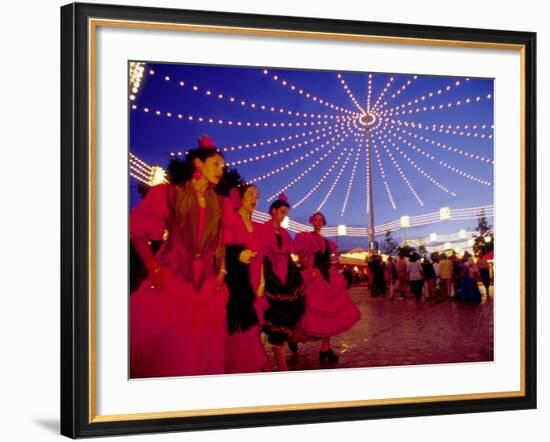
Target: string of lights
(140, 173)
(350, 94)
(139, 178)
(433, 107)
(397, 93)
(420, 169)
(445, 146)
(218, 121)
(441, 162)
(139, 167)
(150, 175)
(286, 166)
(369, 93)
(351, 180)
(403, 175)
(322, 180)
(306, 94)
(271, 141)
(427, 96)
(335, 182)
(444, 164)
(283, 150)
(139, 160)
(381, 96)
(307, 170)
(136, 76)
(450, 129)
(383, 175)
(381, 229)
(229, 98)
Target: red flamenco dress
(283, 285)
(178, 328)
(329, 309)
(244, 352)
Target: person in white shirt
(414, 269)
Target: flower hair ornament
(283, 197)
(206, 142)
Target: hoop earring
(197, 175)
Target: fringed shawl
(183, 225)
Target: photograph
(275, 220)
(287, 219)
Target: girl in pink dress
(178, 314)
(329, 309)
(283, 282)
(244, 350)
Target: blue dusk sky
(307, 132)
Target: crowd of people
(220, 282)
(437, 276)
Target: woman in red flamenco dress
(329, 310)
(283, 282)
(245, 352)
(178, 314)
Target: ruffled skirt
(245, 353)
(176, 330)
(329, 310)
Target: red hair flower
(206, 142)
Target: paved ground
(398, 332)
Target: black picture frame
(77, 253)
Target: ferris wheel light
(158, 176)
(342, 230)
(445, 213)
(285, 223)
(405, 221)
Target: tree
(389, 246)
(484, 241)
(406, 251)
(482, 224)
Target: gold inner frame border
(93, 24)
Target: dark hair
(321, 215)
(180, 171)
(230, 178)
(242, 188)
(414, 257)
(277, 204)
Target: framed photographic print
(273, 220)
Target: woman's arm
(154, 270)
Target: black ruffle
(241, 314)
(322, 261)
(286, 302)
